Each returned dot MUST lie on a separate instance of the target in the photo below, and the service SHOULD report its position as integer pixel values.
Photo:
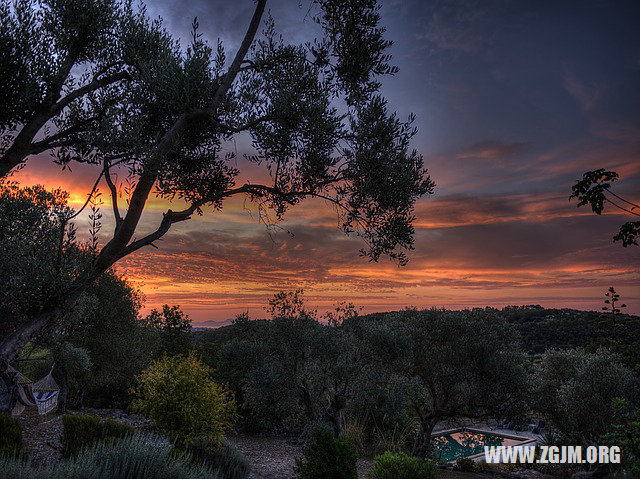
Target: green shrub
(225, 458)
(466, 465)
(178, 394)
(10, 436)
(326, 456)
(401, 466)
(81, 431)
(134, 457)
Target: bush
(80, 431)
(134, 457)
(327, 456)
(178, 394)
(10, 436)
(226, 459)
(401, 466)
(466, 465)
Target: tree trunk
(338, 403)
(8, 388)
(19, 150)
(422, 443)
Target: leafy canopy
(315, 119)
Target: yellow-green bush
(178, 395)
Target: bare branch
(634, 205)
(93, 190)
(114, 193)
(621, 207)
(60, 138)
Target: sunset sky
(514, 101)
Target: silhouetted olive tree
(594, 189)
(462, 367)
(318, 126)
(174, 329)
(297, 369)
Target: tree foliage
(43, 46)
(295, 368)
(594, 189)
(174, 329)
(38, 256)
(462, 367)
(577, 391)
(381, 371)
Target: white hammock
(45, 393)
(42, 394)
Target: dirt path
(41, 437)
(274, 458)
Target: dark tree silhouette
(318, 126)
(594, 189)
(610, 303)
(45, 105)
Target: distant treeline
(540, 329)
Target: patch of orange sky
(193, 278)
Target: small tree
(174, 327)
(179, 396)
(610, 303)
(302, 369)
(327, 456)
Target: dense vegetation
(380, 382)
(388, 375)
(162, 116)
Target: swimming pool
(451, 445)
